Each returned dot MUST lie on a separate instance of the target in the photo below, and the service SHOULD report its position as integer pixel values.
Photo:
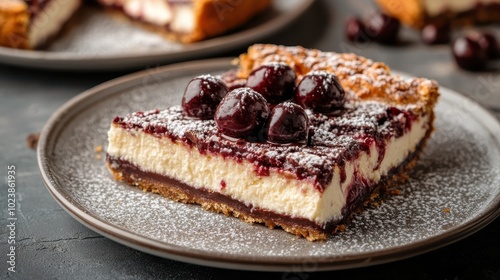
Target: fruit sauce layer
(334, 139)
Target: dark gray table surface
(53, 245)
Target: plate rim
(265, 263)
(73, 61)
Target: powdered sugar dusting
(458, 171)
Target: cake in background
(30, 24)
(419, 13)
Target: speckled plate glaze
(458, 172)
(94, 40)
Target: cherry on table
(383, 28)
(202, 96)
(489, 43)
(355, 30)
(434, 34)
(468, 53)
(241, 113)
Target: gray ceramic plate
(95, 41)
(458, 171)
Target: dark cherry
(288, 123)
(241, 113)
(383, 28)
(468, 53)
(434, 34)
(275, 82)
(202, 96)
(355, 30)
(321, 92)
(489, 43)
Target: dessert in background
(30, 24)
(418, 13)
(189, 21)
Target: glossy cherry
(434, 34)
(288, 123)
(383, 28)
(276, 82)
(202, 96)
(241, 113)
(321, 92)
(468, 53)
(489, 43)
(355, 30)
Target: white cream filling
(435, 7)
(179, 17)
(278, 192)
(50, 20)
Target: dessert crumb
(32, 140)
(447, 210)
(394, 192)
(340, 228)
(98, 149)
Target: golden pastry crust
(14, 24)
(214, 17)
(409, 12)
(367, 79)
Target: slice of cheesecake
(418, 13)
(189, 21)
(309, 187)
(30, 24)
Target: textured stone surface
(53, 245)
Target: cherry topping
(241, 113)
(275, 82)
(287, 123)
(355, 30)
(383, 28)
(202, 95)
(434, 34)
(489, 43)
(468, 53)
(320, 91)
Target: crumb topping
(364, 77)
